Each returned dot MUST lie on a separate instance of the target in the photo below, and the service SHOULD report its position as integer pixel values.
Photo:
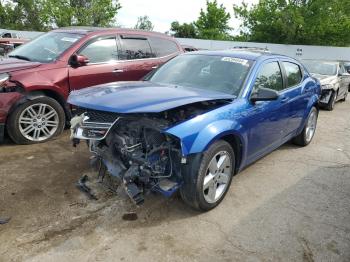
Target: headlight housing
(3, 78)
(327, 86)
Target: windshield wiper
(20, 57)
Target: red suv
(37, 77)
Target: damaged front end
(326, 93)
(135, 149)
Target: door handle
(154, 67)
(118, 71)
(284, 99)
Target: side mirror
(79, 60)
(264, 94)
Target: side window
(270, 76)
(163, 47)
(293, 72)
(342, 69)
(100, 51)
(135, 48)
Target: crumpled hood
(140, 97)
(8, 65)
(325, 79)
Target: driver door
(103, 58)
(267, 121)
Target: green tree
(314, 22)
(23, 15)
(184, 30)
(144, 23)
(213, 22)
(81, 12)
(42, 15)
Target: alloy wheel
(217, 177)
(38, 122)
(311, 126)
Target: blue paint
(260, 127)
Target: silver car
(334, 78)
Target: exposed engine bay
(134, 148)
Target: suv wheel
(305, 137)
(209, 184)
(36, 121)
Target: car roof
(240, 53)
(87, 30)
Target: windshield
(321, 68)
(46, 48)
(216, 73)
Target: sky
(163, 12)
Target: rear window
(293, 73)
(163, 47)
(134, 48)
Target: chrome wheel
(311, 126)
(217, 177)
(38, 122)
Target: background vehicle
(199, 119)
(335, 80)
(9, 41)
(189, 48)
(37, 77)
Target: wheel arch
(45, 93)
(237, 146)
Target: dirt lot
(293, 205)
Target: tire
(304, 138)
(332, 100)
(36, 121)
(345, 96)
(194, 192)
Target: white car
(334, 78)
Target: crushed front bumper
(325, 96)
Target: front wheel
(305, 137)
(332, 100)
(209, 183)
(36, 121)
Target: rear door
(136, 57)
(102, 53)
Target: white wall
(296, 51)
(23, 34)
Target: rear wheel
(305, 137)
(209, 183)
(36, 121)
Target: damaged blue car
(196, 121)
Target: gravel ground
(292, 205)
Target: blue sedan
(196, 121)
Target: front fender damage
(135, 149)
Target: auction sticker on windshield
(235, 60)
